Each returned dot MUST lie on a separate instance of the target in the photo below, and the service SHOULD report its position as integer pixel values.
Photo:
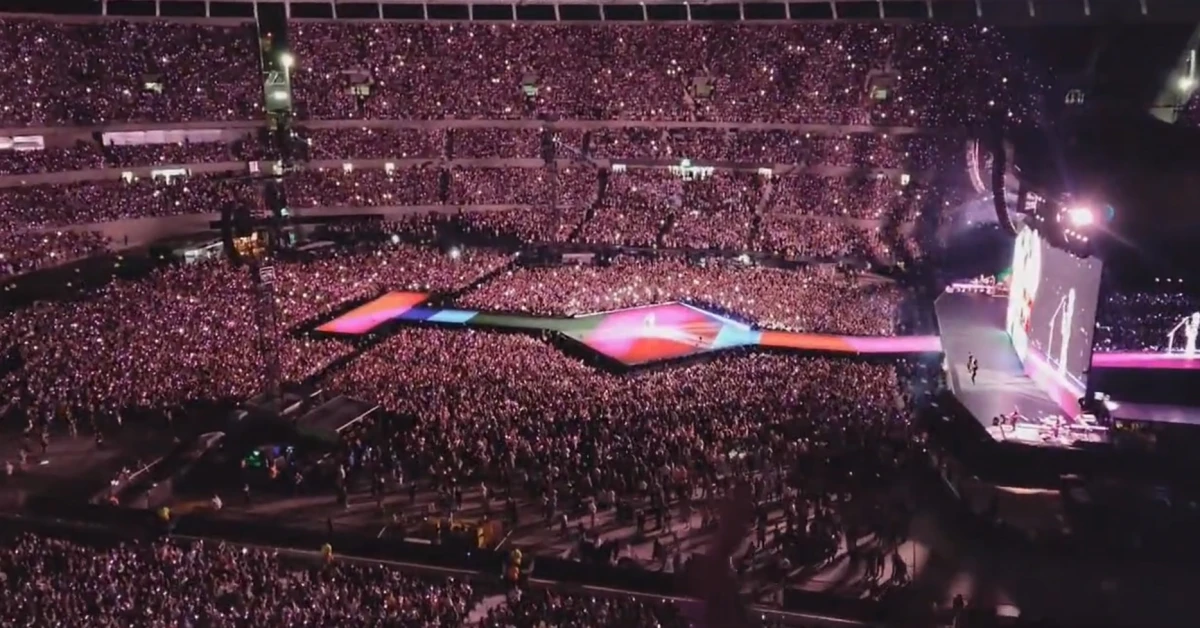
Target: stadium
(629, 314)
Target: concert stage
(632, 337)
(973, 324)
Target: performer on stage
(1065, 315)
(1065, 329)
(1191, 329)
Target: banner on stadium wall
(140, 138)
(23, 142)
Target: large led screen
(1052, 308)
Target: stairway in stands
(668, 223)
(454, 296)
(601, 189)
(448, 143)
(763, 206)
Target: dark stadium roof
(991, 11)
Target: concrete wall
(135, 232)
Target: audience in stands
(187, 333)
(123, 71)
(355, 187)
(547, 608)
(91, 156)
(908, 153)
(208, 584)
(54, 205)
(912, 74)
(818, 440)
(374, 143)
(50, 581)
(816, 299)
(22, 252)
(501, 186)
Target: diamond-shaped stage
(634, 336)
(642, 335)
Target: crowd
(487, 186)
(736, 211)
(912, 153)
(506, 228)
(573, 187)
(360, 187)
(55, 205)
(187, 333)
(91, 155)
(798, 237)
(815, 438)
(170, 583)
(1144, 321)
(548, 608)
(495, 143)
(873, 198)
(22, 252)
(514, 413)
(547, 442)
(374, 143)
(159, 71)
(815, 299)
(47, 581)
(495, 406)
(120, 71)
(752, 146)
(910, 74)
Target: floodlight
(1081, 216)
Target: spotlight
(455, 253)
(1080, 216)
(287, 60)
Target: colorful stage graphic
(634, 336)
(654, 333)
(372, 314)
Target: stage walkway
(633, 336)
(973, 324)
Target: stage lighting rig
(1097, 179)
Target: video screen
(368, 316)
(1052, 307)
